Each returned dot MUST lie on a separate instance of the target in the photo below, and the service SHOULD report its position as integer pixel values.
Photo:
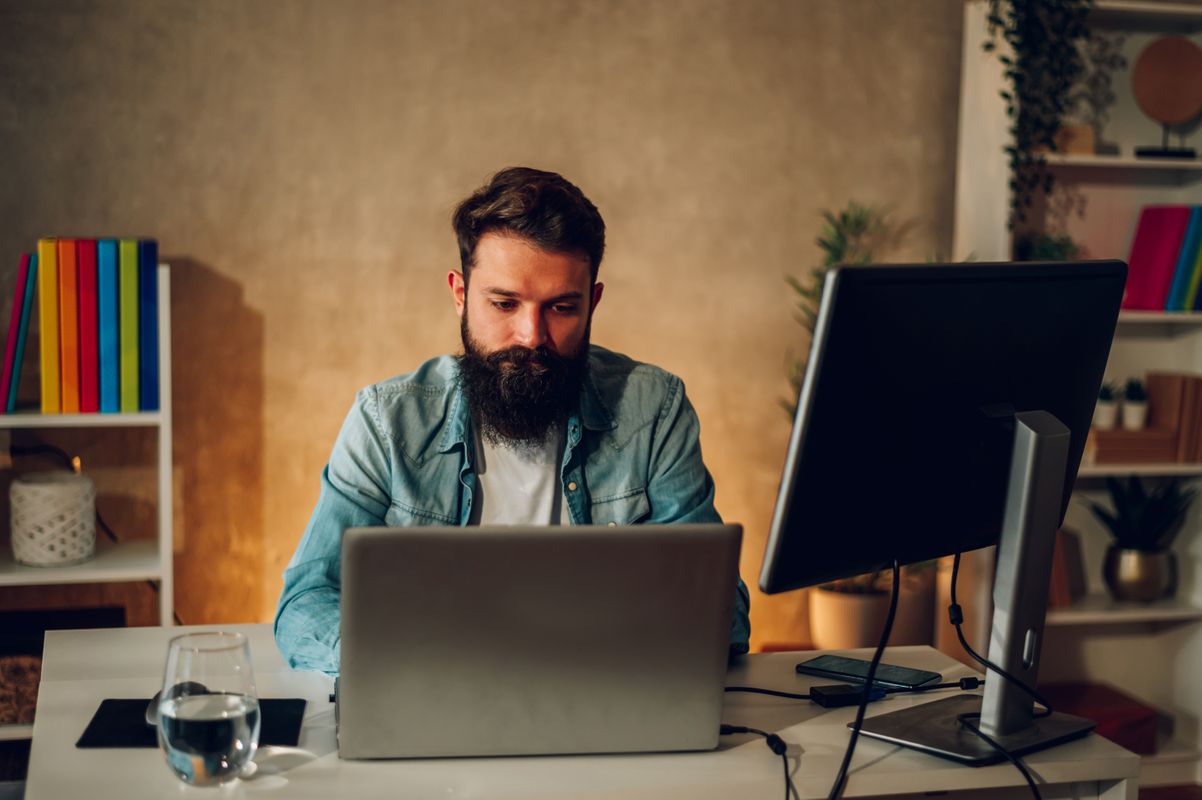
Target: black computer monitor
(941, 404)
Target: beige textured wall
(298, 162)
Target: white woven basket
(53, 518)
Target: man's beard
(520, 395)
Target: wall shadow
(217, 351)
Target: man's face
(524, 318)
(520, 295)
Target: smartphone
(856, 670)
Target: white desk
(81, 668)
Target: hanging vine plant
(1040, 71)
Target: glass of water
(208, 716)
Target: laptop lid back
(484, 641)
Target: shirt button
(572, 486)
(613, 524)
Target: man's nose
(531, 330)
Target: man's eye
(565, 308)
(504, 305)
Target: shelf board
(127, 561)
(26, 419)
(1128, 163)
(1151, 470)
(1104, 610)
(1174, 763)
(1146, 16)
(14, 732)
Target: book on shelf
(1147, 446)
(30, 289)
(148, 325)
(89, 356)
(127, 283)
(68, 325)
(98, 326)
(108, 326)
(1067, 584)
(48, 325)
(14, 326)
(1187, 259)
(1154, 255)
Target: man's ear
(458, 290)
(598, 288)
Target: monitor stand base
(933, 728)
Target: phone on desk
(841, 668)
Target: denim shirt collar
(593, 414)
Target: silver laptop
(488, 641)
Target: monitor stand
(1020, 594)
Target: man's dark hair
(536, 205)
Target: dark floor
(1171, 793)
(14, 760)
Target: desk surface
(81, 668)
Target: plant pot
(1140, 576)
(1078, 139)
(1105, 415)
(1135, 415)
(843, 620)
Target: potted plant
(849, 236)
(849, 612)
(1092, 97)
(1046, 247)
(1135, 405)
(1139, 565)
(1106, 411)
(1041, 67)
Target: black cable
(775, 744)
(965, 684)
(841, 778)
(956, 615)
(964, 719)
(773, 692)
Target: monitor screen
(904, 429)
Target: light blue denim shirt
(404, 457)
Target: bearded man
(531, 425)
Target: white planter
(1135, 415)
(1105, 415)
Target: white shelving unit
(1150, 651)
(137, 559)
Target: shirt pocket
(624, 508)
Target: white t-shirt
(519, 485)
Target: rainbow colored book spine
(48, 312)
(14, 327)
(148, 325)
(31, 288)
(127, 283)
(68, 325)
(108, 326)
(89, 355)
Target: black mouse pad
(122, 723)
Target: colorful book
(68, 325)
(1153, 259)
(108, 326)
(148, 325)
(1187, 256)
(14, 325)
(89, 355)
(1192, 299)
(31, 288)
(52, 402)
(127, 292)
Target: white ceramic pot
(1135, 415)
(1105, 415)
